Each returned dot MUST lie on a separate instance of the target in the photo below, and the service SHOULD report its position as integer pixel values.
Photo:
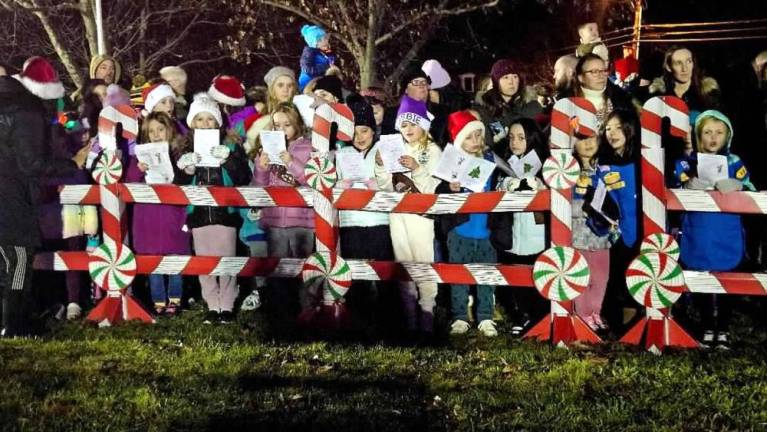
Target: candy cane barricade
(329, 277)
(324, 117)
(109, 118)
(561, 274)
(656, 281)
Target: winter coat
(314, 63)
(427, 159)
(708, 98)
(497, 113)
(354, 218)
(158, 229)
(233, 172)
(25, 157)
(712, 241)
(286, 217)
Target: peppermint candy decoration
(112, 270)
(561, 273)
(660, 243)
(655, 280)
(561, 171)
(108, 169)
(331, 272)
(320, 173)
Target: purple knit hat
(503, 67)
(413, 111)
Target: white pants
(413, 240)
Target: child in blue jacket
(712, 241)
(317, 56)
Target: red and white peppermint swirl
(561, 273)
(331, 272)
(320, 173)
(655, 280)
(112, 268)
(561, 170)
(660, 243)
(108, 169)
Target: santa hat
(203, 103)
(413, 111)
(227, 90)
(277, 72)
(461, 124)
(312, 34)
(41, 79)
(438, 75)
(154, 94)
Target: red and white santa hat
(154, 94)
(41, 79)
(227, 90)
(462, 123)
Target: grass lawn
(181, 375)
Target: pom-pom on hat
(154, 94)
(461, 124)
(413, 111)
(277, 72)
(227, 90)
(363, 112)
(312, 34)
(41, 79)
(438, 75)
(203, 103)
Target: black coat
(25, 159)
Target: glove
(512, 184)
(371, 184)
(220, 152)
(695, 183)
(345, 184)
(729, 185)
(187, 159)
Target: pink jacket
(287, 217)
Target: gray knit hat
(277, 72)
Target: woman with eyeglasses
(508, 100)
(592, 83)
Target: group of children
(607, 234)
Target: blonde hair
(271, 99)
(702, 123)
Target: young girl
(468, 236)
(280, 88)
(525, 143)
(713, 241)
(289, 231)
(214, 229)
(364, 235)
(413, 235)
(317, 58)
(593, 246)
(159, 229)
(159, 97)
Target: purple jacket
(286, 217)
(156, 229)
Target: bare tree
(363, 28)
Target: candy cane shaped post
(653, 180)
(113, 265)
(569, 117)
(324, 117)
(110, 117)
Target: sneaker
(589, 320)
(516, 330)
(599, 322)
(251, 302)
(708, 337)
(171, 310)
(74, 311)
(459, 327)
(210, 317)
(723, 341)
(487, 328)
(226, 317)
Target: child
(228, 91)
(364, 235)
(159, 98)
(329, 89)
(317, 58)
(413, 235)
(289, 231)
(214, 229)
(528, 231)
(281, 88)
(593, 246)
(713, 241)
(590, 42)
(468, 235)
(159, 229)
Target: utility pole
(638, 6)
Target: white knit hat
(203, 103)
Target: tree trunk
(89, 22)
(142, 40)
(64, 55)
(367, 64)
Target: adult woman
(683, 78)
(591, 83)
(506, 101)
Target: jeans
(161, 294)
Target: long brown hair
(175, 141)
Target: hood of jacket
(722, 118)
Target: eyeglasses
(419, 82)
(597, 72)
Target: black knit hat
(363, 112)
(410, 74)
(332, 85)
